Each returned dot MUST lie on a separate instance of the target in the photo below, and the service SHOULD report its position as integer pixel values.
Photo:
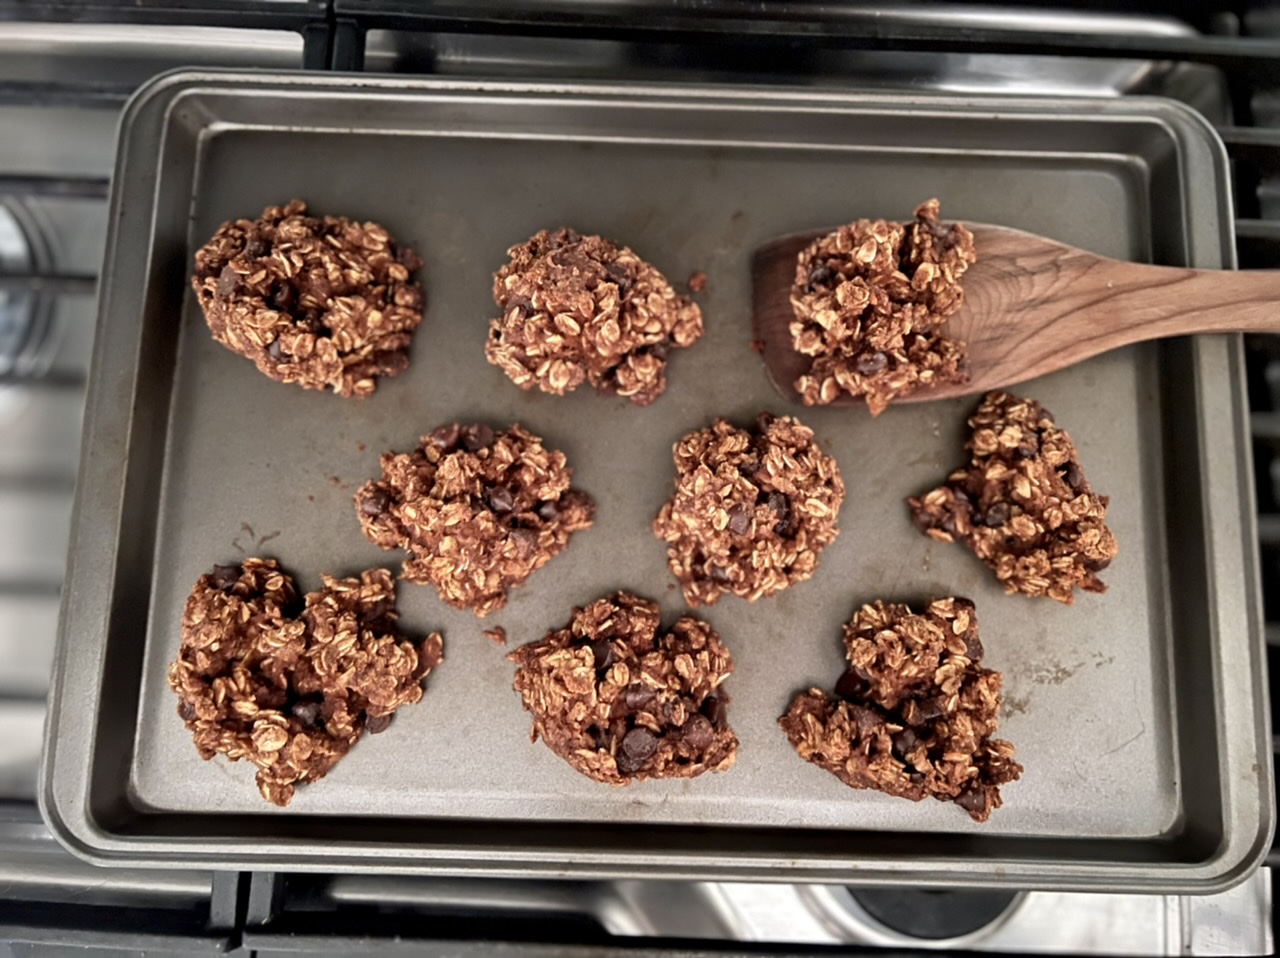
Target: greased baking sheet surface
(253, 467)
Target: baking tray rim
(83, 835)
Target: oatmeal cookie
(478, 511)
(914, 714)
(870, 301)
(751, 511)
(581, 309)
(324, 303)
(1023, 505)
(292, 685)
(622, 701)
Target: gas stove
(62, 85)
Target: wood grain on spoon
(1033, 306)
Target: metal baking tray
(1140, 715)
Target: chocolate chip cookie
(914, 714)
(1023, 504)
(622, 700)
(752, 509)
(581, 309)
(478, 511)
(291, 685)
(324, 303)
(870, 301)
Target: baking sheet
(1136, 713)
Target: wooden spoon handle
(1124, 302)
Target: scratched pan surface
(1139, 714)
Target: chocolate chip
(997, 515)
(739, 521)
(501, 500)
(186, 711)
(698, 732)
(976, 801)
(602, 653)
(282, 298)
(719, 574)
(374, 615)
(548, 511)
(869, 365)
(477, 437)
(638, 745)
(851, 685)
(307, 711)
(526, 540)
(375, 502)
(973, 648)
(714, 709)
(1096, 565)
(225, 576)
(931, 709)
(638, 696)
(619, 275)
(254, 246)
(313, 324)
(275, 350)
(904, 742)
(378, 723)
(228, 280)
(1075, 476)
(819, 276)
(446, 438)
(866, 720)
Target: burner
(924, 913)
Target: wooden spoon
(1033, 306)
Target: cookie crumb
(870, 301)
(292, 685)
(581, 309)
(622, 700)
(1023, 505)
(752, 509)
(478, 511)
(323, 303)
(914, 714)
(697, 282)
(497, 635)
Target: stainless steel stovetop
(55, 156)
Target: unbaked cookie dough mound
(871, 301)
(622, 700)
(752, 509)
(478, 511)
(581, 309)
(915, 713)
(323, 303)
(1023, 504)
(291, 686)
